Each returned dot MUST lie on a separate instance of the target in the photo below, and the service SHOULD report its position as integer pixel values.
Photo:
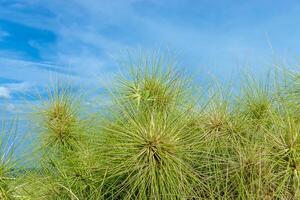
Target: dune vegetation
(162, 136)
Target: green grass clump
(7, 159)
(146, 147)
(60, 119)
(62, 165)
(159, 138)
(151, 155)
(153, 82)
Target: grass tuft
(156, 140)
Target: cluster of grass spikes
(162, 136)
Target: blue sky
(82, 39)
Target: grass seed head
(153, 83)
(60, 119)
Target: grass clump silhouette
(158, 140)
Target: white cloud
(4, 92)
(85, 36)
(7, 90)
(18, 87)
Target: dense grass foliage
(162, 137)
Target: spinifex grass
(154, 82)
(150, 155)
(65, 165)
(63, 179)
(146, 146)
(154, 142)
(284, 156)
(7, 159)
(60, 122)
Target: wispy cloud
(82, 39)
(7, 90)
